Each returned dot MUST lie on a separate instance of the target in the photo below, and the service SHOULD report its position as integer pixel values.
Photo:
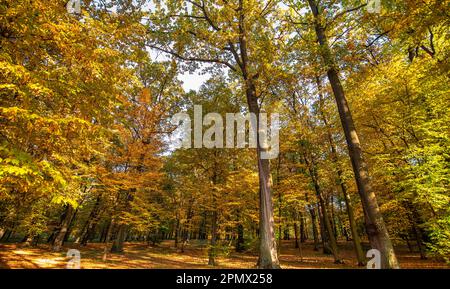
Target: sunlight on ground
(139, 255)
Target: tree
(375, 226)
(241, 37)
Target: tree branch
(345, 12)
(199, 59)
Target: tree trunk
(375, 226)
(240, 238)
(212, 249)
(326, 219)
(107, 247)
(6, 235)
(177, 228)
(303, 236)
(286, 233)
(60, 236)
(70, 226)
(117, 245)
(326, 249)
(187, 230)
(353, 227)
(104, 232)
(31, 240)
(296, 234)
(89, 227)
(202, 229)
(312, 212)
(333, 218)
(413, 217)
(410, 248)
(268, 257)
(348, 204)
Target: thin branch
(199, 59)
(427, 50)
(232, 49)
(345, 12)
(265, 7)
(378, 37)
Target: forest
(90, 157)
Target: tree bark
(326, 219)
(177, 229)
(107, 247)
(348, 204)
(312, 212)
(91, 223)
(105, 230)
(303, 236)
(202, 229)
(333, 217)
(8, 233)
(117, 245)
(413, 217)
(296, 234)
(375, 226)
(240, 238)
(268, 257)
(60, 236)
(212, 249)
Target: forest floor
(164, 255)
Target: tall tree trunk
(303, 236)
(6, 235)
(56, 230)
(326, 219)
(348, 204)
(103, 231)
(280, 200)
(117, 245)
(410, 248)
(177, 229)
(202, 229)
(375, 226)
(268, 257)
(353, 227)
(60, 236)
(240, 238)
(70, 226)
(108, 234)
(90, 224)
(326, 249)
(333, 217)
(312, 212)
(31, 240)
(296, 245)
(212, 249)
(286, 233)
(413, 217)
(187, 230)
